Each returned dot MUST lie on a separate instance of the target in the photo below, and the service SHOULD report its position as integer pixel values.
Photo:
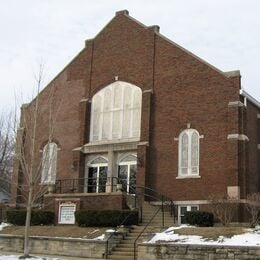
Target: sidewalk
(56, 257)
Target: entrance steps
(125, 249)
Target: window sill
(189, 177)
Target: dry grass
(211, 232)
(92, 232)
(57, 231)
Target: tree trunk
(27, 224)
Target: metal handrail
(144, 230)
(122, 223)
(162, 199)
(157, 197)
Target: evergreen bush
(38, 217)
(199, 218)
(106, 218)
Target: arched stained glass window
(116, 112)
(49, 163)
(189, 152)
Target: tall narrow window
(189, 153)
(49, 163)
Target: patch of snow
(110, 231)
(3, 225)
(102, 237)
(250, 238)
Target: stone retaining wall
(201, 252)
(55, 246)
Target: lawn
(212, 232)
(57, 231)
(93, 232)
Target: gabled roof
(156, 30)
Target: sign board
(66, 213)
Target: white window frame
(49, 165)
(128, 164)
(96, 165)
(71, 205)
(188, 209)
(189, 132)
(112, 110)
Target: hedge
(199, 218)
(38, 217)
(106, 218)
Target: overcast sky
(226, 33)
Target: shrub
(199, 218)
(16, 217)
(38, 217)
(42, 217)
(253, 207)
(106, 218)
(223, 208)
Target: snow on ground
(251, 238)
(3, 225)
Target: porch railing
(92, 185)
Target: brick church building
(134, 109)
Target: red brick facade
(178, 89)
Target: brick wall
(178, 87)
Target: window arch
(116, 112)
(189, 153)
(49, 163)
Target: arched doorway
(127, 168)
(97, 175)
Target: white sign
(66, 213)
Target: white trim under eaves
(249, 97)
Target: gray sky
(226, 33)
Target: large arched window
(49, 163)
(189, 153)
(116, 112)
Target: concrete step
(124, 249)
(120, 257)
(127, 243)
(124, 253)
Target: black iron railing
(87, 185)
(111, 235)
(138, 194)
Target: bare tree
(223, 209)
(7, 145)
(253, 207)
(31, 185)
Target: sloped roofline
(249, 97)
(126, 13)
(225, 74)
